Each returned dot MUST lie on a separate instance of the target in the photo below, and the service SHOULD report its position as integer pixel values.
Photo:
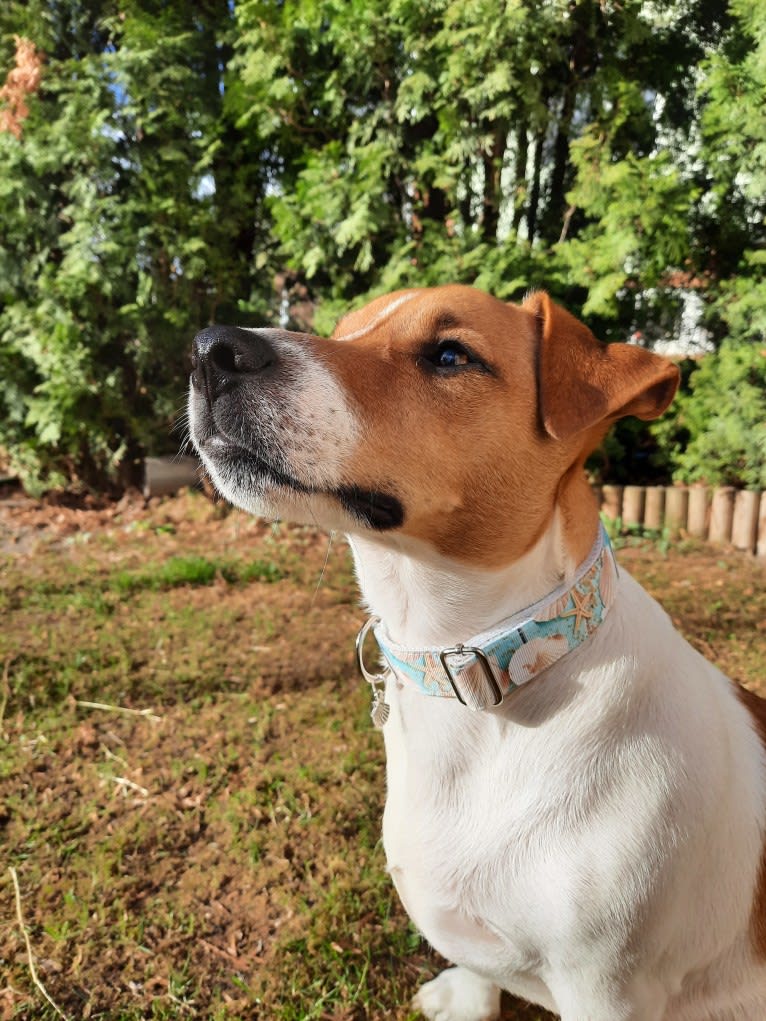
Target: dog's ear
(582, 382)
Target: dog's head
(442, 414)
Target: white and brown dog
(578, 815)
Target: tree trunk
(555, 206)
(430, 203)
(493, 167)
(466, 200)
(534, 195)
(520, 174)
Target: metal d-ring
(379, 710)
(373, 679)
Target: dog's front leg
(458, 995)
(644, 999)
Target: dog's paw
(458, 995)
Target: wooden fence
(724, 516)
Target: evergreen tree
(163, 167)
(129, 204)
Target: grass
(623, 535)
(219, 858)
(194, 570)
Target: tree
(175, 166)
(687, 208)
(130, 207)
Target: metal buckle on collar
(462, 650)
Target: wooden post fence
(722, 516)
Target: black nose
(222, 356)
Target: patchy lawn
(206, 845)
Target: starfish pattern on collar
(580, 610)
(492, 664)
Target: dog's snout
(223, 355)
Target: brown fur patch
(756, 706)
(464, 452)
(472, 455)
(583, 382)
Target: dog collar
(487, 668)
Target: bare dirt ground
(191, 790)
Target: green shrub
(113, 252)
(716, 432)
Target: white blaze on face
(311, 420)
(379, 317)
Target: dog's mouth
(378, 510)
(226, 453)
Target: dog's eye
(450, 355)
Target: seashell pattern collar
(483, 671)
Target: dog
(576, 799)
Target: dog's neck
(426, 599)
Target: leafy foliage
(22, 81)
(113, 252)
(167, 170)
(716, 431)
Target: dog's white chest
(446, 853)
(560, 841)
